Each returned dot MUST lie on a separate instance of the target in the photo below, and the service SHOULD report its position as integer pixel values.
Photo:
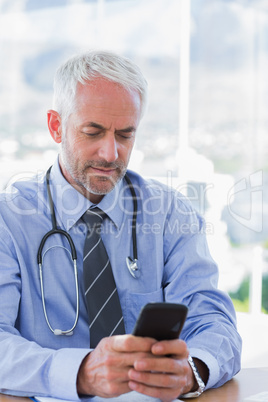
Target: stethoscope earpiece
(58, 332)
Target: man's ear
(54, 125)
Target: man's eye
(126, 136)
(92, 134)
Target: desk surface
(248, 383)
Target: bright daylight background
(205, 131)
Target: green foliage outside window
(240, 297)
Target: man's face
(99, 137)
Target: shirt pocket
(135, 302)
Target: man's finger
(131, 343)
(175, 347)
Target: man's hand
(105, 371)
(165, 374)
(123, 363)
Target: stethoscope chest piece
(133, 268)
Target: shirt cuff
(211, 363)
(63, 372)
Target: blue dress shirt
(175, 266)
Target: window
(219, 116)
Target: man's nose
(108, 149)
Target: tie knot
(93, 218)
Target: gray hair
(88, 66)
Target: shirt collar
(70, 204)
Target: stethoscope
(132, 263)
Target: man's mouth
(103, 171)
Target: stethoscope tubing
(132, 263)
(134, 217)
(59, 331)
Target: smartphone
(161, 321)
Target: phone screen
(161, 321)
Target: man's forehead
(107, 97)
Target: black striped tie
(103, 305)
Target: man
(98, 103)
